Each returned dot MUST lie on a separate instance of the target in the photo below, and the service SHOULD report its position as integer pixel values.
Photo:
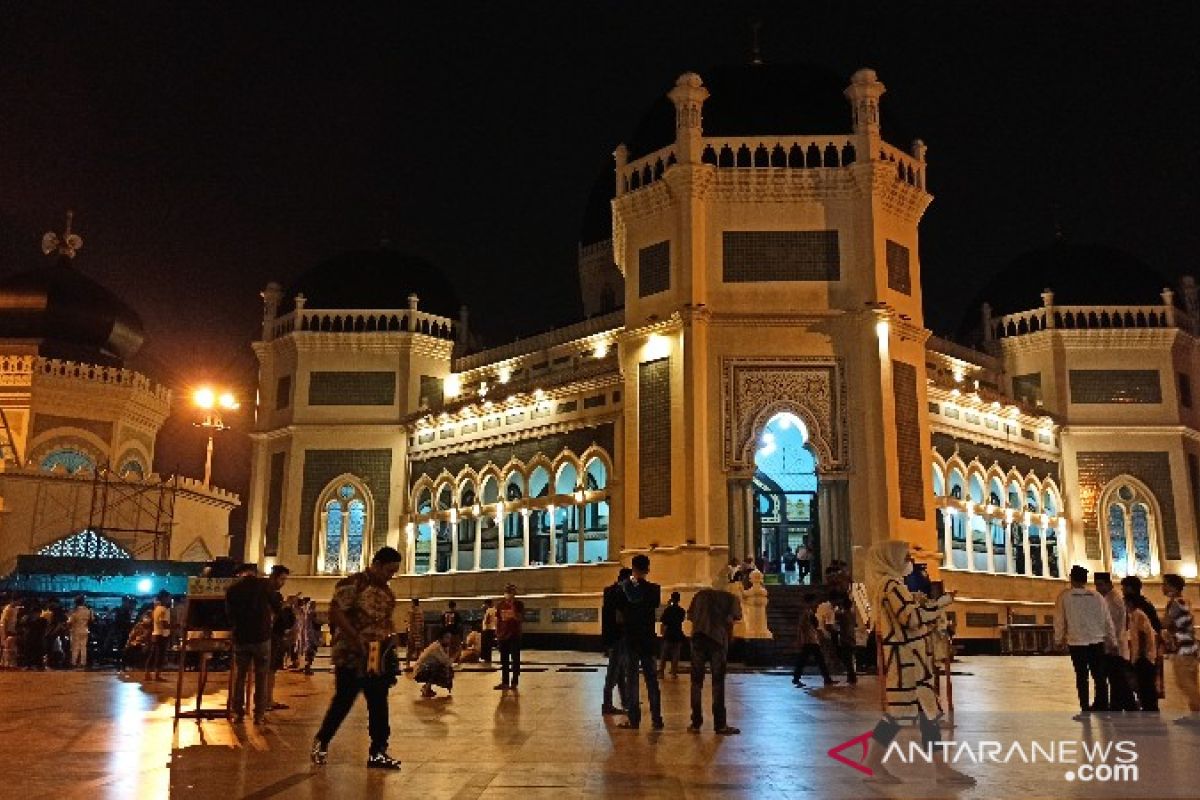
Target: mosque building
(754, 374)
(78, 429)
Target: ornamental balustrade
(365, 321)
(1087, 318)
(19, 371)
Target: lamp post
(213, 405)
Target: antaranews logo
(1089, 762)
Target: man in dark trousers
(1147, 670)
(612, 635)
(713, 613)
(361, 616)
(637, 603)
(452, 623)
(251, 605)
(672, 634)
(284, 619)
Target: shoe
(503, 687)
(658, 724)
(799, 685)
(609, 710)
(382, 760)
(832, 683)
(318, 753)
(279, 706)
(426, 692)
(728, 730)
(238, 719)
(627, 725)
(1082, 716)
(693, 728)
(261, 719)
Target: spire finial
(66, 245)
(755, 52)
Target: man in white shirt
(1083, 624)
(489, 630)
(79, 621)
(1119, 685)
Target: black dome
(382, 277)
(1078, 274)
(744, 100)
(68, 315)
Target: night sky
(208, 149)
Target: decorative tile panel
(654, 438)
(898, 270)
(1123, 386)
(372, 467)
(351, 388)
(1095, 470)
(908, 441)
(274, 503)
(654, 269)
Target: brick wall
(352, 388)
(750, 256)
(654, 269)
(654, 438)
(908, 441)
(1096, 470)
(372, 467)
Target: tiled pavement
(95, 735)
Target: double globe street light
(213, 405)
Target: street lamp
(213, 405)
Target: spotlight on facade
(600, 350)
(205, 398)
(882, 327)
(1188, 571)
(504, 375)
(657, 346)
(453, 386)
(228, 402)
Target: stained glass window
(85, 544)
(69, 459)
(1140, 528)
(333, 536)
(1116, 539)
(132, 468)
(354, 534)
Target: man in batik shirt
(361, 616)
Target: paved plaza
(96, 735)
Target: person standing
(1179, 636)
(415, 633)
(713, 613)
(808, 640)
(251, 604)
(847, 625)
(361, 617)
(8, 631)
(80, 623)
(1083, 624)
(1142, 643)
(637, 602)
(489, 630)
(1131, 587)
(1118, 672)
(803, 561)
(904, 624)
(160, 635)
(510, 615)
(283, 619)
(123, 619)
(672, 632)
(612, 635)
(452, 623)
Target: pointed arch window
(1128, 512)
(344, 511)
(69, 459)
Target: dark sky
(208, 149)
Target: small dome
(1078, 274)
(381, 278)
(68, 315)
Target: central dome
(381, 278)
(68, 315)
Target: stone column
(969, 535)
(525, 537)
(991, 548)
(552, 556)
(478, 542)
(947, 537)
(833, 521)
(500, 539)
(1025, 547)
(453, 542)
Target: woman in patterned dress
(904, 625)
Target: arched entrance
(785, 499)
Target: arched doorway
(785, 499)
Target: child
(434, 666)
(416, 633)
(472, 648)
(1143, 652)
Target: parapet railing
(19, 370)
(612, 321)
(364, 321)
(1088, 318)
(765, 152)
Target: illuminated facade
(754, 376)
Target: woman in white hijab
(903, 625)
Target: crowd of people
(48, 633)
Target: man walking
(510, 615)
(251, 605)
(808, 641)
(361, 616)
(637, 602)
(612, 635)
(1179, 636)
(1082, 622)
(80, 622)
(1118, 671)
(488, 630)
(713, 613)
(672, 634)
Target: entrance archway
(785, 492)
